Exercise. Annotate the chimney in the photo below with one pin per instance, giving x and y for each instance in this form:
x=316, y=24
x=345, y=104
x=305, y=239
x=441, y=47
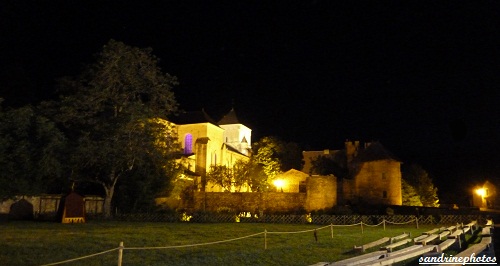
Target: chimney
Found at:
x=351, y=149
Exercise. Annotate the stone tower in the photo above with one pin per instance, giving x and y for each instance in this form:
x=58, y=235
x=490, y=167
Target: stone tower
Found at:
x=236, y=135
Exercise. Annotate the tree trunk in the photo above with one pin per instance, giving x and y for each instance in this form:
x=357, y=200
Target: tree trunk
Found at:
x=110, y=190
x=107, y=200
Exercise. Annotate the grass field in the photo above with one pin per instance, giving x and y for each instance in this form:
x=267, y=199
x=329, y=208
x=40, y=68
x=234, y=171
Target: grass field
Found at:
x=31, y=243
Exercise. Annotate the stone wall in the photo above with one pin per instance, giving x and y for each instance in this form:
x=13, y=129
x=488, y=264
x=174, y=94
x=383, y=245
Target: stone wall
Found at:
x=248, y=202
x=41, y=204
x=48, y=205
x=321, y=192
x=379, y=182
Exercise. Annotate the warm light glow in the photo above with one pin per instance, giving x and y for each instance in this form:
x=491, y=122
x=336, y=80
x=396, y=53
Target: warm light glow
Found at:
x=279, y=183
x=481, y=192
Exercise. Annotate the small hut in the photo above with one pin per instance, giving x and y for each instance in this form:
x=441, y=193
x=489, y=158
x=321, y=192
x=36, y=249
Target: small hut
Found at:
x=74, y=209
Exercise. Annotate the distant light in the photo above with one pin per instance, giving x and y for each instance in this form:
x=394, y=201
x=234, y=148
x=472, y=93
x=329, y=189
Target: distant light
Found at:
x=279, y=183
x=481, y=192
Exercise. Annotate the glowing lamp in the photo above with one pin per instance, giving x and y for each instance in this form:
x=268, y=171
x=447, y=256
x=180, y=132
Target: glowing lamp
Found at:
x=279, y=183
x=481, y=192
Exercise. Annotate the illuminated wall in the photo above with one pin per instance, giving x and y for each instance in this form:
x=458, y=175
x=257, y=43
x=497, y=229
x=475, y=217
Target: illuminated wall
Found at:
x=378, y=182
x=290, y=181
x=374, y=173
x=238, y=136
x=249, y=202
x=321, y=192
x=207, y=140
x=204, y=145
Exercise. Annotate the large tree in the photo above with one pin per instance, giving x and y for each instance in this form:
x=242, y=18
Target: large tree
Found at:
x=330, y=165
x=420, y=180
x=276, y=156
x=409, y=194
x=243, y=172
x=266, y=153
x=31, y=152
x=221, y=175
x=113, y=111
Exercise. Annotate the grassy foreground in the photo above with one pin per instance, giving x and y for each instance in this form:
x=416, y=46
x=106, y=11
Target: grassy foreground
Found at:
x=31, y=243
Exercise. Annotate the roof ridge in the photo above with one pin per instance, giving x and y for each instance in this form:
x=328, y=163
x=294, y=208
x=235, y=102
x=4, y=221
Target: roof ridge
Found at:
x=229, y=118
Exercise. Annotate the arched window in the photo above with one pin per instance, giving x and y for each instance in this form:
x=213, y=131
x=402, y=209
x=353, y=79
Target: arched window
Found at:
x=188, y=144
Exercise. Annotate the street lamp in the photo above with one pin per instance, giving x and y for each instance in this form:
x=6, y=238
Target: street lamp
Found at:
x=481, y=192
x=279, y=184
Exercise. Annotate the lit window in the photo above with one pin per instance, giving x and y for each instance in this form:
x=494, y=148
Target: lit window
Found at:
x=188, y=144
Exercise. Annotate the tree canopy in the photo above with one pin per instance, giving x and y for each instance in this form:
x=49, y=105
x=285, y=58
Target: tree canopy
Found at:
x=416, y=177
x=31, y=153
x=410, y=196
x=276, y=156
x=331, y=165
x=113, y=113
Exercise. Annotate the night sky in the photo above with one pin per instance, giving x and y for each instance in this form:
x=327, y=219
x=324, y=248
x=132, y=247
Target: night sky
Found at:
x=421, y=77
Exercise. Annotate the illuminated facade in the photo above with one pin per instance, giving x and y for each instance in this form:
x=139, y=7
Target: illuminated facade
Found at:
x=207, y=143
x=374, y=174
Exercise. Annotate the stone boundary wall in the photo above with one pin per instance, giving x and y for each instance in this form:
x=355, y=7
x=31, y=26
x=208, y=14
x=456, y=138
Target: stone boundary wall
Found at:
x=48, y=205
x=321, y=192
x=255, y=203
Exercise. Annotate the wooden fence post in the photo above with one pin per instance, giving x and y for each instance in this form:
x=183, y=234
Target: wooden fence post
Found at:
x=362, y=227
x=384, y=223
x=416, y=221
x=265, y=238
x=331, y=229
x=120, y=254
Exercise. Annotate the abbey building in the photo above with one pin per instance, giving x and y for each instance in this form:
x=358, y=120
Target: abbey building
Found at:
x=206, y=142
x=366, y=173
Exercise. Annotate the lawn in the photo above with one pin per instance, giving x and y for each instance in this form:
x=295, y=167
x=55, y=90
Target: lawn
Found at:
x=35, y=243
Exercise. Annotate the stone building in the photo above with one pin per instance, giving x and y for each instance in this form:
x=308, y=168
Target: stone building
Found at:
x=373, y=174
x=207, y=143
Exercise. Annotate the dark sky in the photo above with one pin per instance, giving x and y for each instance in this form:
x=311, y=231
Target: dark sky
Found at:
x=421, y=77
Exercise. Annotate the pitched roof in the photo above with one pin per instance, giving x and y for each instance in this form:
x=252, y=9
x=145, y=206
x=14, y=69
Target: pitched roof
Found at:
x=374, y=152
x=194, y=117
x=229, y=147
x=229, y=118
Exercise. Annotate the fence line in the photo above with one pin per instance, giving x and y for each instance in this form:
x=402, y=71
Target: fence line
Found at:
x=81, y=258
x=121, y=248
x=347, y=224
x=294, y=219
x=298, y=232
x=194, y=245
x=401, y=223
x=374, y=225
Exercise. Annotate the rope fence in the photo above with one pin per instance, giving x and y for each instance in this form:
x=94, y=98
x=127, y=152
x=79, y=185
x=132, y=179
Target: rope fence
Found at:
x=84, y=257
x=121, y=247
